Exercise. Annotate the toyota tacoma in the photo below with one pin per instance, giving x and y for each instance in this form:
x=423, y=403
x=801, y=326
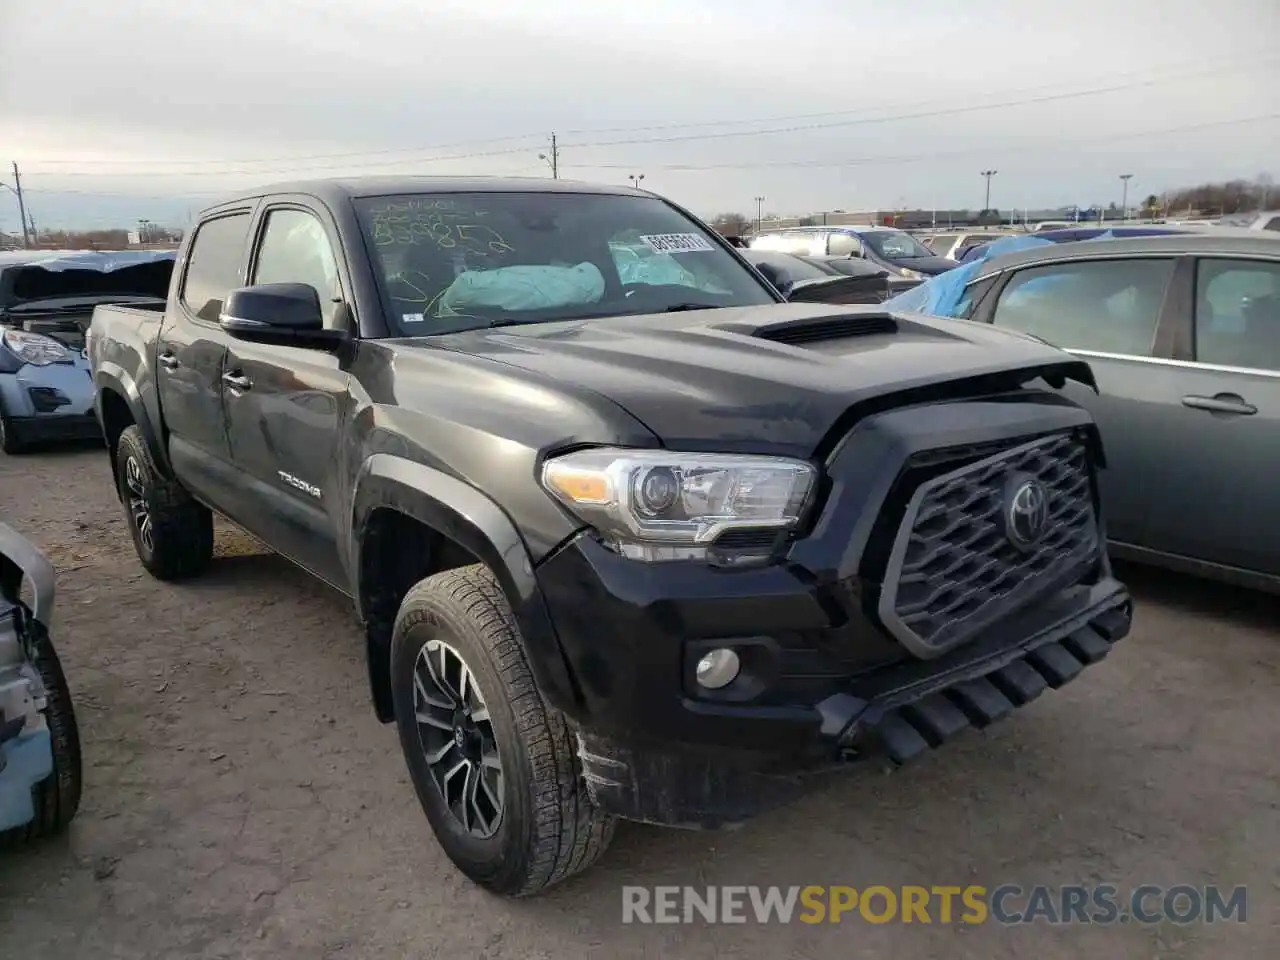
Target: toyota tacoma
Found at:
x=630, y=536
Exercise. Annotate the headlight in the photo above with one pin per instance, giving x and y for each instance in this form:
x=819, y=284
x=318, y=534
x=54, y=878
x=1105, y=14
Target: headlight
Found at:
x=35, y=348
x=910, y=274
x=658, y=505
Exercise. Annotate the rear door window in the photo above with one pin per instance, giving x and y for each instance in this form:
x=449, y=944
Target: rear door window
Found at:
x=1237, y=313
x=1105, y=306
x=214, y=263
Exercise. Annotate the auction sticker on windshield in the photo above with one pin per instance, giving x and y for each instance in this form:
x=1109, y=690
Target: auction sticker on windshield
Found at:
x=676, y=242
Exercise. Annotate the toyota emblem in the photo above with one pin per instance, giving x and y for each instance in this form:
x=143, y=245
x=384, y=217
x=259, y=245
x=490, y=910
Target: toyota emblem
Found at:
x=1026, y=513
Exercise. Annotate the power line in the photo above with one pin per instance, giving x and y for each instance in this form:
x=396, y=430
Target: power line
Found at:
x=856, y=121
x=987, y=150
x=456, y=145
x=1195, y=74
x=975, y=108
x=779, y=164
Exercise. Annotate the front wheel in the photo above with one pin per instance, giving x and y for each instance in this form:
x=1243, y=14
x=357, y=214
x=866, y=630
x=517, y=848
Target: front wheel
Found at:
x=9, y=441
x=493, y=765
x=172, y=533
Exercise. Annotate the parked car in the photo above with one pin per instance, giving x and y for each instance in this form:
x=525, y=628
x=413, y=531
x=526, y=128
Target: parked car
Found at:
x=1183, y=334
x=1256, y=220
x=1072, y=234
x=954, y=246
x=888, y=247
x=820, y=280
x=40, y=768
x=46, y=301
x=653, y=550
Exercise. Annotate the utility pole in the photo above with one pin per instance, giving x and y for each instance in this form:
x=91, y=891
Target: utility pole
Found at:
x=635, y=179
x=759, y=214
x=1124, y=196
x=988, y=174
x=22, y=207
x=552, y=158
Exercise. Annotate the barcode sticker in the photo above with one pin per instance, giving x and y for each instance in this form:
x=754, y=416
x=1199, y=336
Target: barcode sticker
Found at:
x=677, y=242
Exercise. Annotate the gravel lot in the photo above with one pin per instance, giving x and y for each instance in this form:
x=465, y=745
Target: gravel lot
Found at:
x=242, y=801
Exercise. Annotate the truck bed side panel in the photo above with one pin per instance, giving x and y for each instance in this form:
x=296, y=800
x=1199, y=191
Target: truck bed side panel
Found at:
x=122, y=350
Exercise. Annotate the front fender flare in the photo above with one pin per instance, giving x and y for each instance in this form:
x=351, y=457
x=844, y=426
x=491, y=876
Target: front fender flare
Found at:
x=468, y=517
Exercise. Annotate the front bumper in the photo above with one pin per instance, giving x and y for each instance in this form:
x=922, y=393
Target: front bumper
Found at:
x=55, y=429
x=653, y=749
x=823, y=680
x=50, y=403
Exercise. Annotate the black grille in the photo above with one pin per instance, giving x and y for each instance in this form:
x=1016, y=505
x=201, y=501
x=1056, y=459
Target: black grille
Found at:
x=954, y=569
x=747, y=539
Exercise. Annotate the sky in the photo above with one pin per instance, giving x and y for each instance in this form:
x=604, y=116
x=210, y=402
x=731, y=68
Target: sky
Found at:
x=153, y=109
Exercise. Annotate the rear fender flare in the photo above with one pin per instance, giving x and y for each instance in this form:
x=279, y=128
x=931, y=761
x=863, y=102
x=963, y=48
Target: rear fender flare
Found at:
x=463, y=514
x=111, y=376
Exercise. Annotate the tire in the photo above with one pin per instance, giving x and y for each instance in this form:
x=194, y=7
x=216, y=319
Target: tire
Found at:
x=57, y=797
x=548, y=828
x=172, y=532
x=9, y=443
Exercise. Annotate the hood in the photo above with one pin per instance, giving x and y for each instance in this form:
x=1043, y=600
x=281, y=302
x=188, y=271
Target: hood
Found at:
x=771, y=378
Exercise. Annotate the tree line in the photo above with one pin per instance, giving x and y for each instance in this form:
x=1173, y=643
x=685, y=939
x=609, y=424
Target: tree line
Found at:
x=1204, y=200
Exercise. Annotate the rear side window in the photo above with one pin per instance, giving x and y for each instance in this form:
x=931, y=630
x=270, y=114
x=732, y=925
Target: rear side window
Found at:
x=1238, y=313
x=843, y=245
x=213, y=264
x=1108, y=306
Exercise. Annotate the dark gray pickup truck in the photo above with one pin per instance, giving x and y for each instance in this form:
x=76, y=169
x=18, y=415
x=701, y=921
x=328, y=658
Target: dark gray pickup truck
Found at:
x=629, y=534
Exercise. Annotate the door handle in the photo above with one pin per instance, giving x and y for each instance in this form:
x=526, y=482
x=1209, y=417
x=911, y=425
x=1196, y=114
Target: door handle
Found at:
x=237, y=381
x=169, y=361
x=1221, y=403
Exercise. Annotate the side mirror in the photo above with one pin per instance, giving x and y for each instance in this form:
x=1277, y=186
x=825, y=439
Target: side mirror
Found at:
x=777, y=276
x=279, y=313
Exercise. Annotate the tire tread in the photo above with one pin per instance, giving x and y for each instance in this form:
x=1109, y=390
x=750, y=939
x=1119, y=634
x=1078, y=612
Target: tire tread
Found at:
x=182, y=528
x=57, y=797
x=570, y=832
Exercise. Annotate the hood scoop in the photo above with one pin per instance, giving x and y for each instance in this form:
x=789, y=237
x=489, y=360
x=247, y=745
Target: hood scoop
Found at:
x=820, y=329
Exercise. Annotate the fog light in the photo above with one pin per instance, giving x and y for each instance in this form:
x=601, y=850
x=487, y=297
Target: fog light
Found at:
x=718, y=668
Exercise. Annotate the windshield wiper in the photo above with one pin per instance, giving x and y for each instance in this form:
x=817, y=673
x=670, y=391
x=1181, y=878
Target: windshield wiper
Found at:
x=681, y=307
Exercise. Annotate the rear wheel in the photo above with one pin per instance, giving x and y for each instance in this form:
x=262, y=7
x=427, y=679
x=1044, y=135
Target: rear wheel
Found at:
x=494, y=766
x=172, y=532
x=57, y=797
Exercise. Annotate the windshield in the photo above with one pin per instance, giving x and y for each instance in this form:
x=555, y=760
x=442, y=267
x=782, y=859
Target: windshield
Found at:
x=461, y=260
x=895, y=245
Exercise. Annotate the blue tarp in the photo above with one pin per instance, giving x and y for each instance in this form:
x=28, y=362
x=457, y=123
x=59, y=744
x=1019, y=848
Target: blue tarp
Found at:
x=941, y=295
x=106, y=261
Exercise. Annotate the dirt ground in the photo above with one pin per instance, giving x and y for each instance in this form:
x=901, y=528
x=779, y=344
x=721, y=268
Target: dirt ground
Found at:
x=242, y=801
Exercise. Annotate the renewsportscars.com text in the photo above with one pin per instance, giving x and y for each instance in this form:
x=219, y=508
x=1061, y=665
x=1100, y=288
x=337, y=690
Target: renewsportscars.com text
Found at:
x=1007, y=904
